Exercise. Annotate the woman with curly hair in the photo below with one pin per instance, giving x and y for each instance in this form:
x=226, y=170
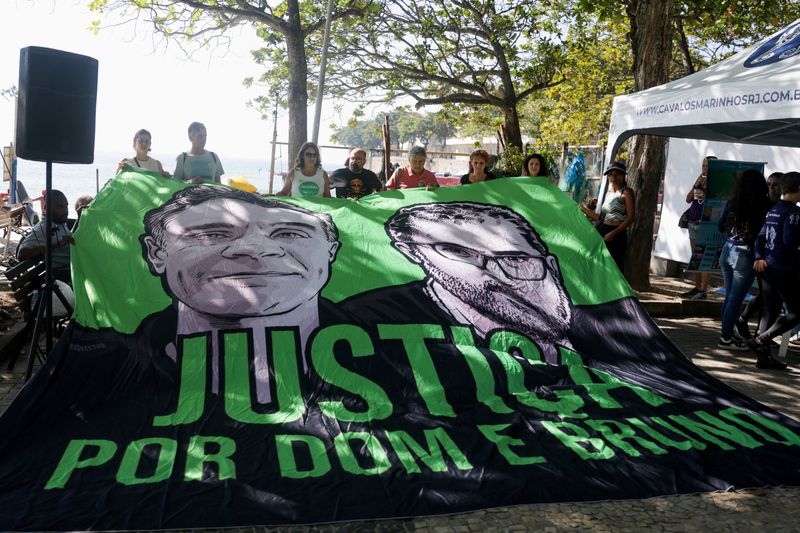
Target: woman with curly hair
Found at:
x=535, y=165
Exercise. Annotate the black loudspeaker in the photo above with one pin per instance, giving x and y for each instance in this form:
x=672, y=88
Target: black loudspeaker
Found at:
x=56, y=106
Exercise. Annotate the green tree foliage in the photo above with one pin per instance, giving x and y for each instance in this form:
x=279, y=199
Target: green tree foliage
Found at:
x=363, y=133
x=510, y=162
x=707, y=31
x=476, y=121
x=599, y=58
x=597, y=69
x=405, y=127
x=475, y=52
x=421, y=128
x=285, y=26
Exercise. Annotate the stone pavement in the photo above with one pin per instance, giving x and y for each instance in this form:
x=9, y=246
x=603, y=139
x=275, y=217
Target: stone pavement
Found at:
x=774, y=509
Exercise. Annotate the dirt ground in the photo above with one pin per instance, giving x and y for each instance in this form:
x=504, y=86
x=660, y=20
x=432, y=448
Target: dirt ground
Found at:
x=9, y=313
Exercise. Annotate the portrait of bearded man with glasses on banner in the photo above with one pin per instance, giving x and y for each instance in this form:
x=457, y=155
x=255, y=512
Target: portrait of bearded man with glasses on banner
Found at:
x=485, y=267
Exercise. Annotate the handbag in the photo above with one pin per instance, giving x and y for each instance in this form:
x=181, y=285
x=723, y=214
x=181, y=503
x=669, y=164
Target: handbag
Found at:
x=683, y=222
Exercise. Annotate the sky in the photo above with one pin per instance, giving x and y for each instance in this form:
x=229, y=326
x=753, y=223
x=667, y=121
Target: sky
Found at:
x=144, y=84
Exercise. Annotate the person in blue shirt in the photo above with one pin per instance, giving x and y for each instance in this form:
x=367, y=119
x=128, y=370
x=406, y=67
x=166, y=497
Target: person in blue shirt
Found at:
x=777, y=262
x=756, y=305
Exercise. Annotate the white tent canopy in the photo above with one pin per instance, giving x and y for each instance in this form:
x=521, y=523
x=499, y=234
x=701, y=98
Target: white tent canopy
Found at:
x=752, y=97
x=684, y=159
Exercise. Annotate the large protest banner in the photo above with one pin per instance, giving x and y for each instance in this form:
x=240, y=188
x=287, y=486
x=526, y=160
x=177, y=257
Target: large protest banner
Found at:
x=237, y=360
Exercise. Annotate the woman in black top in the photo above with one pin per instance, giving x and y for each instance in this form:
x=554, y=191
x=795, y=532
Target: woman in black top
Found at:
x=741, y=221
x=478, y=160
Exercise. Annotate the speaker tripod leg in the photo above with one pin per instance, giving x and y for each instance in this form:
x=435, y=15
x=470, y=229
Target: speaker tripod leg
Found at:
x=34, y=349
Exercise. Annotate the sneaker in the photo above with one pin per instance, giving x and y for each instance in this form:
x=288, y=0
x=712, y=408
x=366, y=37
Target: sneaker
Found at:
x=734, y=343
x=770, y=363
x=742, y=328
x=701, y=295
x=795, y=339
x=690, y=293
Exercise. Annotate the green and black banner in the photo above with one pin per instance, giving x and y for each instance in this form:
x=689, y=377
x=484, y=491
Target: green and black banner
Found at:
x=241, y=360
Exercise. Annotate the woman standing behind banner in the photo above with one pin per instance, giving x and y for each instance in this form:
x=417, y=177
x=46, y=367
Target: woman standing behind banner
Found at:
x=307, y=177
x=616, y=214
x=534, y=165
x=741, y=221
x=478, y=160
x=141, y=143
x=696, y=197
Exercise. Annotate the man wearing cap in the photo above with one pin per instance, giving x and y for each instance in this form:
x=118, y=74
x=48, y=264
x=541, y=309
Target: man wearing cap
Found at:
x=616, y=214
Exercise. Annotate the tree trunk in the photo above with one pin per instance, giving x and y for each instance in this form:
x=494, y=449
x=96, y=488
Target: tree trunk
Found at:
x=648, y=157
x=511, y=131
x=683, y=45
x=651, y=40
x=297, y=97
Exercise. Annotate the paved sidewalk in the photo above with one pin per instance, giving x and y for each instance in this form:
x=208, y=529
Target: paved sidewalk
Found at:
x=774, y=509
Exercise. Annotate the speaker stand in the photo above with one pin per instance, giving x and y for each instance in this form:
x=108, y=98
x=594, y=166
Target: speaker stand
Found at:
x=44, y=306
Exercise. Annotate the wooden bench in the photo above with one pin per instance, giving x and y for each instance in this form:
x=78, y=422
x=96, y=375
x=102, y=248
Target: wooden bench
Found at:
x=27, y=278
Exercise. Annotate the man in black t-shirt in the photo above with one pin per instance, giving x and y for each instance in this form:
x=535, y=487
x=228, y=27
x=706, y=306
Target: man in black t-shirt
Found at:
x=355, y=181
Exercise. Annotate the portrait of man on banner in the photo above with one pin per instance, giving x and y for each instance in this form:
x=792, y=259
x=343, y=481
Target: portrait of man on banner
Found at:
x=485, y=267
x=230, y=259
